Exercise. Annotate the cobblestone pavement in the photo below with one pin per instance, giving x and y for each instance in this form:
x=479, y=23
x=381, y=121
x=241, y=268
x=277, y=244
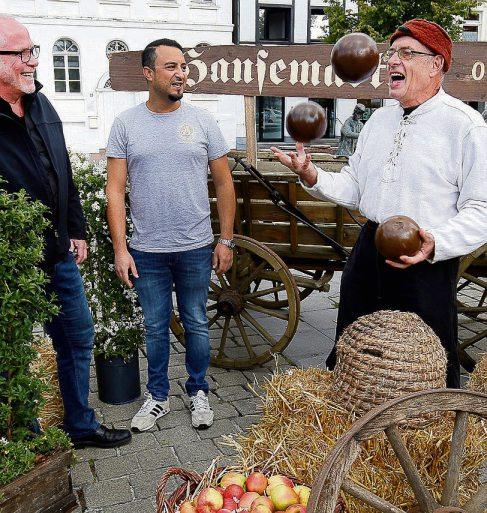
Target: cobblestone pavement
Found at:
x=124, y=480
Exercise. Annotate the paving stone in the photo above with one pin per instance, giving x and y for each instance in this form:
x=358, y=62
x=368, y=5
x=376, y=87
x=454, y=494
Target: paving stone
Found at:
x=140, y=442
x=249, y=406
x=124, y=412
x=227, y=450
x=205, y=450
x=142, y=506
x=233, y=393
x=81, y=474
x=177, y=436
x=144, y=484
x=94, y=453
x=108, y=493
x=244, y=422
x=219, y=428
x=177, y=371
x=119, y=466
x=157, y=457
x=176, y=402
x=175, y=419
x=231, y=378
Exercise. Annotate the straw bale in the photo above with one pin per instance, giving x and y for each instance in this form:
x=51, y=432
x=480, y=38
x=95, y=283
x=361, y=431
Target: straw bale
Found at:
x=52, y=412
x=383, y=355
x=478, y=378
x=300, y=424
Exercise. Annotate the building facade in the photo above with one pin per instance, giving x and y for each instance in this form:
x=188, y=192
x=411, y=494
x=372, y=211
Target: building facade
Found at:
x=77, y=36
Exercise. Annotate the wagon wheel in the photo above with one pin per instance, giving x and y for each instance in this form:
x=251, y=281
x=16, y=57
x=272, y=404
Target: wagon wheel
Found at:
x=278, y=299
x=472, y=308
x=385, y=418
x=242, y=333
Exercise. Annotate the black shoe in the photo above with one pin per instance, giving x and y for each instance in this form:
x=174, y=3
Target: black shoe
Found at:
x=103, y=437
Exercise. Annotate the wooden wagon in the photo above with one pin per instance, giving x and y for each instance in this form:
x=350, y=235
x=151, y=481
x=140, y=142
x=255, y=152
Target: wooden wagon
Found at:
x=254, y=309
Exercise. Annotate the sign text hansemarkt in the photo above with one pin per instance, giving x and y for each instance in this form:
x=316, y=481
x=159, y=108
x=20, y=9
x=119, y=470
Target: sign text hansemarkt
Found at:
x=295, y=70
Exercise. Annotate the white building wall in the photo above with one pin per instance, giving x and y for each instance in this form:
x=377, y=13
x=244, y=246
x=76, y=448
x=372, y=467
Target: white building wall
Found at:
x=92, y=24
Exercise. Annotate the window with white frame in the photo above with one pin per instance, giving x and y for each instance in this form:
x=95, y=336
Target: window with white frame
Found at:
x=116, y=46
x=318, y=25
x=65, y=57
x=471, y=28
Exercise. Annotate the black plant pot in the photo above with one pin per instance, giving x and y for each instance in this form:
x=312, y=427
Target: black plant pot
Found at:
x=118, y=379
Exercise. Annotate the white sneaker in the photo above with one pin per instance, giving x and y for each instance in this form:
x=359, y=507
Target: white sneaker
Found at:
x=149, y=412
x=201, y=412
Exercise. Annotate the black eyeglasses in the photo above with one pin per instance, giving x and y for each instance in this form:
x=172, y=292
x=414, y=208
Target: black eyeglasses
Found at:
x=405, y=54
x=25, y=55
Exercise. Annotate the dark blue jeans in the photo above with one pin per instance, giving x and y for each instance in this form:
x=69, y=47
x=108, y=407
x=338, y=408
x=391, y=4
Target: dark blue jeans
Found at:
x=72, y=336
x=190, y=273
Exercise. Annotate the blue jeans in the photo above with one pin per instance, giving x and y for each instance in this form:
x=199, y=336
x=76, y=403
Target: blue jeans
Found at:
x=190, y=273
x=72, y=336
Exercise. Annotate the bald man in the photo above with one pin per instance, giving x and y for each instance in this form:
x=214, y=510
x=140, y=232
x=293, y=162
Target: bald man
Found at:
x=33, y=157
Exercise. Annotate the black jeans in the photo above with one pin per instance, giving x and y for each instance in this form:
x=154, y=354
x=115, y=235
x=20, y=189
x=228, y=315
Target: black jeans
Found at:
x=369, y=284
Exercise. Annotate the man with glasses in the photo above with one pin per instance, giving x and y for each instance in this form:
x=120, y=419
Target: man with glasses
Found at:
x=164, y=147
x=33, y=157
x=424, y=157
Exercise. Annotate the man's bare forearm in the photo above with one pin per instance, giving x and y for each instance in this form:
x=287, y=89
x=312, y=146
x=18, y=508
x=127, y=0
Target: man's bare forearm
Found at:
x=116, y=219
x=225, y=202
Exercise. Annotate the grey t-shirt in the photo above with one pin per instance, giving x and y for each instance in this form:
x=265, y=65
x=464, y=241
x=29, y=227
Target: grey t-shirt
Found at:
x=167, y=159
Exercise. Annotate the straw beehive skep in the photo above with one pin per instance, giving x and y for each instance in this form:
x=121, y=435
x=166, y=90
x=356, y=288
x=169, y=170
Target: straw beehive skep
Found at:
x=301, y=423
x=383, y=355
x=478, y=378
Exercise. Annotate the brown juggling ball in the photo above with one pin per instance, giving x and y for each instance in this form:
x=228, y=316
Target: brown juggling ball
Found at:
x=398, y=236
x=306, y=121
x=355, y=57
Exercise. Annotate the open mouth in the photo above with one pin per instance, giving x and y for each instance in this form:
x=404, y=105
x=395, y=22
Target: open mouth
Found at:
x=177, y=85
x=396, y=79
x=28, y=74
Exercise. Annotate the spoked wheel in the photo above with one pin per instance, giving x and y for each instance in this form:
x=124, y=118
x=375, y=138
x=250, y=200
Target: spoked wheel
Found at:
x=334, y=475
x=243, y=333
x=278, y=299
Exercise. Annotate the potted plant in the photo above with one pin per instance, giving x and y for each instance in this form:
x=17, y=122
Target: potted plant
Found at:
x=34, y=468
x=116, y=313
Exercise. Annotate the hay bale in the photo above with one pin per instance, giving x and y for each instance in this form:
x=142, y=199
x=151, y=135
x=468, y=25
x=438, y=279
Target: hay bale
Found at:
x=478, y=378
x=301, y=423
x=384, y=355
x=52, y=413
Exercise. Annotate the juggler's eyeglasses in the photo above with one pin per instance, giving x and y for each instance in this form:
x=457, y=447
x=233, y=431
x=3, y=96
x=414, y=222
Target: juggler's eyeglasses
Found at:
x=25, y=55
x=405, y=54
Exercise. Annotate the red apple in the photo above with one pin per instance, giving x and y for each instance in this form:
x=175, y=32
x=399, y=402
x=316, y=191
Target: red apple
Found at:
x=209, y=501
x=303, y=494
x=187, y=507
x=233, y=491
x=283, y=496
x=247, y=499
x=261, y=509
x=278, y=480
x=233, y=478
x=262, y=501
x=224, y=511
x=296, y=508
x=256, y=482
x=219, y=489
x=229, y=503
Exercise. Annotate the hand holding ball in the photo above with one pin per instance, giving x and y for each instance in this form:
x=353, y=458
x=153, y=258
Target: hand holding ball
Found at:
x=306, y=121
x=355, y=57
x=398, y=236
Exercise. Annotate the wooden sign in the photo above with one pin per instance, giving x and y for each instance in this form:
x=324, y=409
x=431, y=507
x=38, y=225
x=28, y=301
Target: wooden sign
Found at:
x=295, y=70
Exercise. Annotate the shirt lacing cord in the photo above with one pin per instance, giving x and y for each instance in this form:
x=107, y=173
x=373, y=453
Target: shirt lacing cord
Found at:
x=391, y=170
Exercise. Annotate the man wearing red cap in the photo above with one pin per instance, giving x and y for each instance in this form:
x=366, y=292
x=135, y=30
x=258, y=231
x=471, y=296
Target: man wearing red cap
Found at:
x=424, y=157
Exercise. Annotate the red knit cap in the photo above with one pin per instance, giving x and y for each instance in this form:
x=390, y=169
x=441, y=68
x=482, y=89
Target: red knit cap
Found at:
x=430, y=34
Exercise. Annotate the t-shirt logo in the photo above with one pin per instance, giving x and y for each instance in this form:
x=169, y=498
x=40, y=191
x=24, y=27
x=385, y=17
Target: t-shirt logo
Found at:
x=186, y=132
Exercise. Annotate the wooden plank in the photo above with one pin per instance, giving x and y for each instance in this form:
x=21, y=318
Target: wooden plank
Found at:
x=250, y=135
x=294, y=70
x=293, y=223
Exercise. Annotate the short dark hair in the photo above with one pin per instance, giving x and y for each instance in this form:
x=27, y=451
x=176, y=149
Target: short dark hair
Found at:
x=149, y=52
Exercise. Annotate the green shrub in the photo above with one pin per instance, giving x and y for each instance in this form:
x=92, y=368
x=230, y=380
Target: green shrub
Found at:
x=116, y=313
x=23, y=302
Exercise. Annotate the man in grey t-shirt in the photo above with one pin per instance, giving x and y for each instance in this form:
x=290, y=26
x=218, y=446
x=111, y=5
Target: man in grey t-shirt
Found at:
x=164, y=148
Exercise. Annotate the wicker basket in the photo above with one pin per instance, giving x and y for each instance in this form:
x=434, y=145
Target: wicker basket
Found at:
x=384, y=355
x=169, y=503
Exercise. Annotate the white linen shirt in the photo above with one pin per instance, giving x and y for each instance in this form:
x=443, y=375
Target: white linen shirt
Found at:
x=430, y=166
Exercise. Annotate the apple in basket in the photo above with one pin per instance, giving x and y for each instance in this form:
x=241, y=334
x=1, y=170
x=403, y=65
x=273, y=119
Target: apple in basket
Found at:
x=187, y=507
x=261, y=509
x=256, y=482
x=296, y=508
x=303, y=494
x=234, y=491
x=233, y=478
x=230, y=504
x=278, y=480
x=247, y=499
x=283, y=496
x=209, y=501
x=262, y=501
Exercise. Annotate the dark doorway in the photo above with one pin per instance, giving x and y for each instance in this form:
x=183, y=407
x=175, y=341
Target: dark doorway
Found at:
x=270, y=118
x=329, y=104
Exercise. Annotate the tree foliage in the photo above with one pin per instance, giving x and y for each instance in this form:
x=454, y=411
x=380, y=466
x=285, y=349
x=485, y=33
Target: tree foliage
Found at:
x=380, y=18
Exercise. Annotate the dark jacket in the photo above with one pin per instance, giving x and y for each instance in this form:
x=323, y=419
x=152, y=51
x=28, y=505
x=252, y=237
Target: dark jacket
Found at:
x=21, y=167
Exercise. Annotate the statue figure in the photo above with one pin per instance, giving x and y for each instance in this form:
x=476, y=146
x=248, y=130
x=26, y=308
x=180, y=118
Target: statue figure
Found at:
x=484, y=115
x=350, y=132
